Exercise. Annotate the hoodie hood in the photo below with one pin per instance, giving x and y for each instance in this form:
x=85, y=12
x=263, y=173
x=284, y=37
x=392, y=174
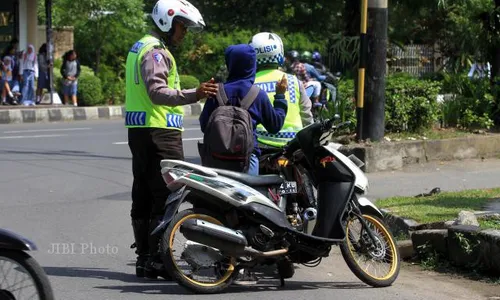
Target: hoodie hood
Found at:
x=241, y=62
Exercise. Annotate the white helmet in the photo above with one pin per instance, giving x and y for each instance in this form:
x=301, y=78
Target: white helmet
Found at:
x=269, y=48
x=165, y=11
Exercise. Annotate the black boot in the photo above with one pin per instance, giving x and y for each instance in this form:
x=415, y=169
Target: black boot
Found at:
x=154, y=267
x=141, y=233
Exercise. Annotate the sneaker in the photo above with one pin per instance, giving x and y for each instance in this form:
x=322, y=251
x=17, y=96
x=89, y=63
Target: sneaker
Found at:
x=245, y=277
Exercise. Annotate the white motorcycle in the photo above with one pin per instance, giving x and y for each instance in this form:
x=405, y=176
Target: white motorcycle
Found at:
x=240, y=221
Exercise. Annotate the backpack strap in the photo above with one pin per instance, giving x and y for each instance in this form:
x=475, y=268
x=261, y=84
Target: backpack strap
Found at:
x=250, y=97
x=221, y=95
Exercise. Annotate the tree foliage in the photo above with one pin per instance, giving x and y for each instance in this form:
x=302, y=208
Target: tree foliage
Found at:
x=103, y=29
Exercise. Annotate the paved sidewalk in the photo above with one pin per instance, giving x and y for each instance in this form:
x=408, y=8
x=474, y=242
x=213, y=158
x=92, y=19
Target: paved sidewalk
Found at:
x=58, y=113
x=449, y=176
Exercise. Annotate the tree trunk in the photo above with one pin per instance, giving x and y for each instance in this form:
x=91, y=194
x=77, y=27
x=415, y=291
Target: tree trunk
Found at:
x=97, y=60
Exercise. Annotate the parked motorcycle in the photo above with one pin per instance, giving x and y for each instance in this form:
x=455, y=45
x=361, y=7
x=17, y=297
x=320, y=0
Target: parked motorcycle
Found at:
x=233, y=225
x=21, y=277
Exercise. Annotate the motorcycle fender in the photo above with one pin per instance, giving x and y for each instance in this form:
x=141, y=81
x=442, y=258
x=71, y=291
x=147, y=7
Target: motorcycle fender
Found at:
x=367, y=206
x=13, y=241
x=172, y=205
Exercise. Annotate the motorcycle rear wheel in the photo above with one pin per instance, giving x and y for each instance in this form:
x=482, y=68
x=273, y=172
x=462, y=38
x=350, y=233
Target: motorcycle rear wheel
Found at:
x=386, y=249
x=175, y=271
x=34, y=271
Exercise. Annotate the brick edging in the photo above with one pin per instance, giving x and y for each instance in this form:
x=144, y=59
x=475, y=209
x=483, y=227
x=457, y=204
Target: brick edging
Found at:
x=482, y=254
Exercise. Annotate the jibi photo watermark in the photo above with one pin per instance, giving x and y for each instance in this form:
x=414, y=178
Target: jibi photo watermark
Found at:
x=81, y=249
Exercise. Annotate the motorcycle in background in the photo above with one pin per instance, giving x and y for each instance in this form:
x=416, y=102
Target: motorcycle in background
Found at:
x=21, y=277
x=329, y=91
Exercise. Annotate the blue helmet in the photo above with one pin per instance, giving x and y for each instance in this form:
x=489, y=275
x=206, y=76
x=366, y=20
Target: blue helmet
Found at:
x=316, y=56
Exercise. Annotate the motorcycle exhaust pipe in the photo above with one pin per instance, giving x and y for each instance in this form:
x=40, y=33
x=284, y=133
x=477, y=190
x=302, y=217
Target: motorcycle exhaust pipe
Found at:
x=309, y=216
x=222, y=238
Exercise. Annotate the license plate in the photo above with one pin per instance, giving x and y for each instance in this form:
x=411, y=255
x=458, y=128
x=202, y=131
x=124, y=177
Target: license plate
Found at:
x=288, y=187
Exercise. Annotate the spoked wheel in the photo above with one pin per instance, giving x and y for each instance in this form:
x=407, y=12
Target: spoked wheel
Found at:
x=21, y=277
x=376, y=264
x=198, y=267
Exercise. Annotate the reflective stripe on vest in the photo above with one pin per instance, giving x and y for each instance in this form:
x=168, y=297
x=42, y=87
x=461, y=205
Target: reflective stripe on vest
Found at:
x=139, y=110
x=267, y=80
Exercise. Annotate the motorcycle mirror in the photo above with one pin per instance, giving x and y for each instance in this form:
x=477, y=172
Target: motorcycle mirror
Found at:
x=336, y=117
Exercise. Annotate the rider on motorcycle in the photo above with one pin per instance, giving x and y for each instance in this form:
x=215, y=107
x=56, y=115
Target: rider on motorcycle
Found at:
x=306, y=58
x=316, y=62
x=299, y=69
x=270, y=56
x=318, y=71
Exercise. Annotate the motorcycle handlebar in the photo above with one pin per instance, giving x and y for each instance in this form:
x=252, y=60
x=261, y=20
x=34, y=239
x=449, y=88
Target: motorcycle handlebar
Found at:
x=294, y=145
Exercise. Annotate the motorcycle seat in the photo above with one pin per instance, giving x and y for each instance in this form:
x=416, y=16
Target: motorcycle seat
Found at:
x=251, y=180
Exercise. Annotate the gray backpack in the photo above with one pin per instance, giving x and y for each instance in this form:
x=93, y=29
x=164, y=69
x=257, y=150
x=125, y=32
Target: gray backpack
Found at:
x=228, y=141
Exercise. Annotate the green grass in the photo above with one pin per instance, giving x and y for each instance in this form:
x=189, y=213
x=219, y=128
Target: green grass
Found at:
x=442, y=207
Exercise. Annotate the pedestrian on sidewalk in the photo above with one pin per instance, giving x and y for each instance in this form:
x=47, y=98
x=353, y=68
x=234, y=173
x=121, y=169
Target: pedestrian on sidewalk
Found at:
x=43, y=74
x=70, y=71
x=9, y=84
x=29, y=67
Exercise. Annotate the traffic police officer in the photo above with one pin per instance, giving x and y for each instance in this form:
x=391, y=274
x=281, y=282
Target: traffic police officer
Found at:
x=154, y=118
x=270, y=56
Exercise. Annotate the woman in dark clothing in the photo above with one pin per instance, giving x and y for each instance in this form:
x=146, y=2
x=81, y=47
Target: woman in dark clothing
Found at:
x=43, y=73
x=70, y=70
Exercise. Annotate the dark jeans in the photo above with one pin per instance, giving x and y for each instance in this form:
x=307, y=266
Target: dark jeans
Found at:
x=149, y=146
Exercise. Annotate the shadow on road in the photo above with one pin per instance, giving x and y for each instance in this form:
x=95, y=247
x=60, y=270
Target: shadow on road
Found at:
x=265, y=285
x=99, y=273
x=147, y=286
x=65, y=153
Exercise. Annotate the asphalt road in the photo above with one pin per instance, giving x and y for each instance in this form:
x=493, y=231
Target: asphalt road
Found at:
x=67, y=186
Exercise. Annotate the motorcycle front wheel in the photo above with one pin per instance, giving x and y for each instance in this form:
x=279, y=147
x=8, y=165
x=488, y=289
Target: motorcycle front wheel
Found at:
x=33, y=281
x=358, y=249
x=196, y=257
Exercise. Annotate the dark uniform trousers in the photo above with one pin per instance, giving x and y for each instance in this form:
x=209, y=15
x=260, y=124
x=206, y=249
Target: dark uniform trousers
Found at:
x=149, y=191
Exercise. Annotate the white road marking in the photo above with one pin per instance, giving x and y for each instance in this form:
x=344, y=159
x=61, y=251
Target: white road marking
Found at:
x=45, y=130
x=31, y=136
x=185, y=140
x=192, y=139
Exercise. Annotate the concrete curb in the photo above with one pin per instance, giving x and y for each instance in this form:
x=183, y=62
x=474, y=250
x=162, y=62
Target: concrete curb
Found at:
x=41, y=114
x=386, y=156
x=465, y=246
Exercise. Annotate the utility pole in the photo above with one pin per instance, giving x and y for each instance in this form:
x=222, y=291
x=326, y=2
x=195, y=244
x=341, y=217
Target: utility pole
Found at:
x=54, y=96
x=363, y=53
x=374, y=104
x=50, y=52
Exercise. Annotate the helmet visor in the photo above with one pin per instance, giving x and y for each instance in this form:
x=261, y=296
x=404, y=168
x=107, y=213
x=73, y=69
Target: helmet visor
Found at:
x=192, y=26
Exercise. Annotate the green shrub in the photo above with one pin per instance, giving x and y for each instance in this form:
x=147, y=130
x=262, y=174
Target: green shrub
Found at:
x=411, y=104
x=473, y=104
x=345, y=104
x=189, y=82
x=89, y=88
x=113, y=86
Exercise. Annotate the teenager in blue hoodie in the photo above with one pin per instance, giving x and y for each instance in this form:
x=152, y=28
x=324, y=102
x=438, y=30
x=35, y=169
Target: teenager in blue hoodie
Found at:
x=241, y=63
